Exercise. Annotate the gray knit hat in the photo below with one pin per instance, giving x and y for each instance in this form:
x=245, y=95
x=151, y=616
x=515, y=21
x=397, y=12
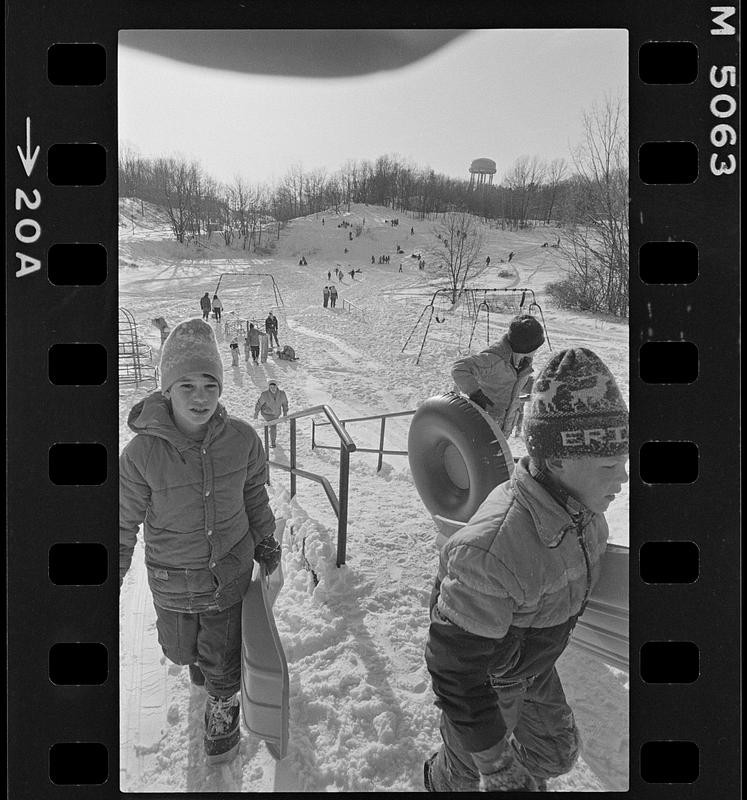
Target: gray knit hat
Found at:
x=525, y=334
x=576, y=409
x=190, y=347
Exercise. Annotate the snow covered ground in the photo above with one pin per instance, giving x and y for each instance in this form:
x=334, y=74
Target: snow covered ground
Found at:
x=361, y=711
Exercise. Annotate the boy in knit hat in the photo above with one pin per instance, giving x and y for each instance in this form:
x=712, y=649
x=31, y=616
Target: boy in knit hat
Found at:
x=195, y=477
x=512, y=583
x=496, y=378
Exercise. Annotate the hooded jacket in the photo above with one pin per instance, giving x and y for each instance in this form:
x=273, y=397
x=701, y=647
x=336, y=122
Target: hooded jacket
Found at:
x=509, y=589
x=271, y=324
x=492, y=371
x=271, y=406
x=203, y=504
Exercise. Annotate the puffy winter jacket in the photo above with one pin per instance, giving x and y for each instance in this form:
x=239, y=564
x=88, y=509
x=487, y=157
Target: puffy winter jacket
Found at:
x=510, y=587
x=204, y=506
x=492, y=371
x=252, y=337
x=271, y=406
x=205, y=303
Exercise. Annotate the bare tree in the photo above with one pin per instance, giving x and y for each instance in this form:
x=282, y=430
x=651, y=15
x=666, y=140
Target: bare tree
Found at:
x=314, y=190
x=175, y=182
x=596, y=245
x=458, y=251
x=524, y=180
x=555, y=173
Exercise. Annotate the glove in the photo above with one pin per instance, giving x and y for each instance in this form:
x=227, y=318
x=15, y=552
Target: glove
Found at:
x=479, y=397
x=501, y=772
x=267, y=554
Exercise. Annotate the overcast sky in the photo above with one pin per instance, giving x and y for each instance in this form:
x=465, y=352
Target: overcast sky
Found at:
x=496, y=94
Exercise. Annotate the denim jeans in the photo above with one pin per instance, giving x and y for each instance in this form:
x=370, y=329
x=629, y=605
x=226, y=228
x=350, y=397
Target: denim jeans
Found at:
x=211, y=639
x=542, y=733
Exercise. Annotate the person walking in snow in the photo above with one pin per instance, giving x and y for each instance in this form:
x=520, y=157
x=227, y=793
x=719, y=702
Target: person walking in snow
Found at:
x=251, y=344
x=325, y=296
x=194, y=478
x=271, y=328
x=234, y=348
x=496, y=378
x=272, y=403
x=333, y=295
x=510, y=256
x=217, y=307
x=329, y=275
x=206, y=306
x=512, y=583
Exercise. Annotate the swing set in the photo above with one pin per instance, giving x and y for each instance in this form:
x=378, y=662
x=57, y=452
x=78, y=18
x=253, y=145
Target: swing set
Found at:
x=235, y=324
x=474, y=301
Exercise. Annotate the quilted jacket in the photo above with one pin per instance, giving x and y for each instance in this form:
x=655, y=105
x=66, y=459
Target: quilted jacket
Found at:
x=509, y=589
x=203, y=504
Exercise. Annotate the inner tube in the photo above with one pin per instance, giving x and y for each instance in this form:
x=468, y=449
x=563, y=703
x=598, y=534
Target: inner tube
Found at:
x=457, y=455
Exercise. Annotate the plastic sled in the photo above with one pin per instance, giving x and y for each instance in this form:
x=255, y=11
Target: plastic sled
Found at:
x=603, y=630
x=264, y=669
x=263, y=339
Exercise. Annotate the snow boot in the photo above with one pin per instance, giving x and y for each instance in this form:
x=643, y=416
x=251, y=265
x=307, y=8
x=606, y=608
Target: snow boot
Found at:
x=427, y=773
x=222, y=732
x=196, y=676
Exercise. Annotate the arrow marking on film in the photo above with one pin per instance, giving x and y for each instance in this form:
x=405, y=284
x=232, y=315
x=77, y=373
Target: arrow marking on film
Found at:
x=28, y=159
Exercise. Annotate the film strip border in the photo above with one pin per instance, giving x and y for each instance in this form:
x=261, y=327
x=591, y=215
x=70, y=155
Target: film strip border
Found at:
x=62, y=398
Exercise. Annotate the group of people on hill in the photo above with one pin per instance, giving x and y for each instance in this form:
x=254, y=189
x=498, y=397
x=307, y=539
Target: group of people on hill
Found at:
x=329, y=296
x=382, y=259
x=510, y=586
x=257, y=342
x=207, y=305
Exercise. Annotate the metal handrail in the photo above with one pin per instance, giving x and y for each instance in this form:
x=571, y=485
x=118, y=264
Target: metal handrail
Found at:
x=347, y=446
x=352, y=307
x=380, y=449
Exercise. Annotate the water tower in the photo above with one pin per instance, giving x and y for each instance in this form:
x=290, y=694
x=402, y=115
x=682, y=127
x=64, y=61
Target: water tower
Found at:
x=484, y=169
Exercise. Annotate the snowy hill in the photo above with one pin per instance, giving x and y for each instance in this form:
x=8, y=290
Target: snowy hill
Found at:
x=362, y=714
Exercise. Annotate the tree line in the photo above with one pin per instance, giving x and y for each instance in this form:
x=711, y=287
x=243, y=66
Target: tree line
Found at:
x=586, y=195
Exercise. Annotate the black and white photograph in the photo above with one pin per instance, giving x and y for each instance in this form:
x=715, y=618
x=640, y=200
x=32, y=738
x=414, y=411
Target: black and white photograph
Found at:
x=373, y=355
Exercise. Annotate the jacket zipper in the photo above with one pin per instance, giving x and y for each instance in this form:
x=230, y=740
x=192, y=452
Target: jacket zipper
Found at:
x=580, y=537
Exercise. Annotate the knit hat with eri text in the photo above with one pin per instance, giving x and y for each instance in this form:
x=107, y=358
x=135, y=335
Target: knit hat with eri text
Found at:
x=525, y=334
x=190, y=347
x=575, y=409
